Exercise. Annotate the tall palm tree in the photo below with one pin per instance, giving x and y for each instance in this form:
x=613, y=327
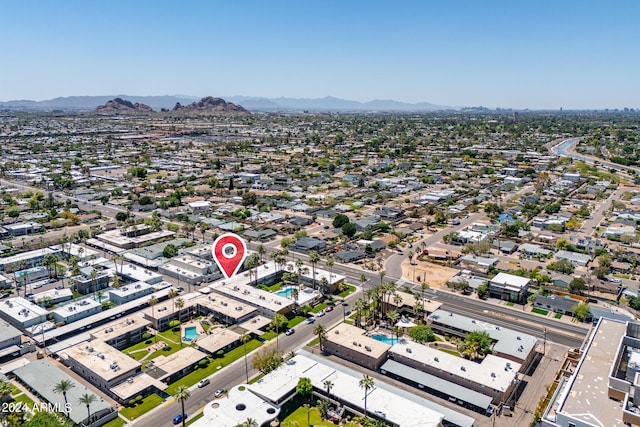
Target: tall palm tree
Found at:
x=182, y=394
x=359, y=306
x=62, y=388
x=152, y=302
x=244, y=339
x=330, y=263
x=328, y=384
x=363, y=280
x=203, y=229
x=171, y=295
x=261, y=251
x=321, y=331
x=94, y=278
x=88, y=399
x=314, y=258
x=277, y=322
x=393, y=317
x=367, y=384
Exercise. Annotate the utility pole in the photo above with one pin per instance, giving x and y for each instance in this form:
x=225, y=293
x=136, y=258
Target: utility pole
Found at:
x=544, y=334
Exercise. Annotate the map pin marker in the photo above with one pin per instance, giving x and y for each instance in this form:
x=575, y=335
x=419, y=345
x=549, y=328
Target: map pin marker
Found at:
x=229, y=252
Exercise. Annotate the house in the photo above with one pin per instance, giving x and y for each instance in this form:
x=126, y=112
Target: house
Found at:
x=307, y=244
x=556, y=304
x=505, y=246
x=260, y=235
x=574, y=258
x=349, y=256
x=365, y=224
x=509, y=287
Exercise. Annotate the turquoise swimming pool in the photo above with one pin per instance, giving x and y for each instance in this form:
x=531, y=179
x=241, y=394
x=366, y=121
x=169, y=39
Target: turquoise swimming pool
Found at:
x=190, y=333
x=286, y=292
x=385, y=339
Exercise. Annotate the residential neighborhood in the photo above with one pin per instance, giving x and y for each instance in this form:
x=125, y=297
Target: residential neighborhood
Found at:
x=477, y=269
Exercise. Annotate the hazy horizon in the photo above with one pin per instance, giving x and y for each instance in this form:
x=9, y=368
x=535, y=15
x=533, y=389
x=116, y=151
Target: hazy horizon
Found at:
x=543, y=55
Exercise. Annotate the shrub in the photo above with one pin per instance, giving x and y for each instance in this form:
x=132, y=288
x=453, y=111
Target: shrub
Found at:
x=132, y=402
x=146, y=336
x=203, y=363
x=139, y=398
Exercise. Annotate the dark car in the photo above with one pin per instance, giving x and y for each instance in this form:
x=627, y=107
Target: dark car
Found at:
x=5, y=295
x=178, y=418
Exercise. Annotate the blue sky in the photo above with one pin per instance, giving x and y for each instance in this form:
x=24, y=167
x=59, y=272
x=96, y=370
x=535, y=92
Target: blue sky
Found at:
x=520, y=54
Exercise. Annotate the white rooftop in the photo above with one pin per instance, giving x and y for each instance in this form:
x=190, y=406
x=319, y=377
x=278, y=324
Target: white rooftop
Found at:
x=22, y=310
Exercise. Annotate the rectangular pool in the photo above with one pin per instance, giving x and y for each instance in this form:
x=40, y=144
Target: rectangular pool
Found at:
x=190, y=333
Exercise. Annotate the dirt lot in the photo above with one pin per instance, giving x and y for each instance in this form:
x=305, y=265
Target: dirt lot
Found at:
x=436, y=275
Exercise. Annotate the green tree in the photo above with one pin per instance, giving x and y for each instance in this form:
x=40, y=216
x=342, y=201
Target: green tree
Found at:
x=349, y=230
x=483, y=290
x=367, y=384
x=476, y=344
x=63, y=387
x=422, y=334
x=321, y=331
x=340, y=220
x=577, y=285
x=249, y=198
x=87, y=399
x=170, y=251
x=266, y=360
x=304, y=387
x=277, y=322
x=182, y=394
x=562, y=266
x=244, y=339
x=582, y=311
x=314, y=259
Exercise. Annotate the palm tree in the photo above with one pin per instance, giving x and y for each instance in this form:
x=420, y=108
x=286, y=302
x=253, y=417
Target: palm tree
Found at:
x=314, y=258
x=393, y=317
x=249, y=422
x=363, y=280
x=203, y=229
x=366, y=383
x=244, y=339
x=321, y=331
x=278, y=321
x=359, y=306
x=382, y=273
x=171, y=295
x=182, y=394
x=88, y=399
x=261, y=251
x=94, y=278
x=330, y=263
x=328, y=385
x=6, y=389
x=152, y=302
x=62, y=388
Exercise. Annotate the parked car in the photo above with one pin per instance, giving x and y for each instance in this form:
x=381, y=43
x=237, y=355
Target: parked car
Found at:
x=178, y=418
x=329, y=308
x=320, y=313
x=219, y=392
x=5, y=295
x=203, y=382
x=290, y=332
x=310, y=320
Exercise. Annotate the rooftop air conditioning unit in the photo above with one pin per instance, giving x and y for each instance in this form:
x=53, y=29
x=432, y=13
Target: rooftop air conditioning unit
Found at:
x=462, y=368
x=493, y=374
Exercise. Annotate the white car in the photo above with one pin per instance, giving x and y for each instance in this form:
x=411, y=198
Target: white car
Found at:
x=320, y=313
x=203, y=383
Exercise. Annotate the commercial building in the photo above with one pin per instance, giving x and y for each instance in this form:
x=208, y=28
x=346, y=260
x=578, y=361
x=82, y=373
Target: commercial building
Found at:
x=350, y=343
x=493, y=376
x=508, y=287
x=22, y=313
x=76, y=310
x=40, y=376
x=603, y=389
x=513, y=345
x=129, y=292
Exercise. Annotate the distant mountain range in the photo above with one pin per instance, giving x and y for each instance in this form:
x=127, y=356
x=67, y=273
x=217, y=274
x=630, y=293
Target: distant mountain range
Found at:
x=327, y=104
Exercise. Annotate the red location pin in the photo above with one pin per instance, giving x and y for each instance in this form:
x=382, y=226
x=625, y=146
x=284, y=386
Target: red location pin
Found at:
x=229, y=252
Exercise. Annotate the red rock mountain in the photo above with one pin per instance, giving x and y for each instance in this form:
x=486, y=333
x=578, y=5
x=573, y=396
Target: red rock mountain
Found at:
x=210, y=104
x=122, y=105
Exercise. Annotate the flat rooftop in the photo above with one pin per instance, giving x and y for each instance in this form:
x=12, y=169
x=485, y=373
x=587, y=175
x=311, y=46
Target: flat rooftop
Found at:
x=54, y=294
x=25, y=256
x=386, y=401
x=130, y=289
x=354, y=339
x=80, y=306
x=164, y=366
x=22, y=310
x=119, y=327
x=103, y=360
x=507, y=341
x=217, y=339
x=226, y=306
x=136, y=384
x=226, y=413
x=493, y=372
x=585, y=396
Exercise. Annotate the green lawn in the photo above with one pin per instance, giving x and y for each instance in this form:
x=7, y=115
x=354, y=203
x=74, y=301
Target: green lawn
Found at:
x=313, y=342
x=539, y=311
x=147, y=404
x=256, y=378
x=558, y=316
x=274, y=288
x=269, y=335
x=299, y=416
x=350, y=289
x=194, y=419
x=118, y=422
x=452, y=352
x=200, y=373
x=25, y=399
x=172, y=339
x=296, y=321
x=319, y=307
x=511, y=304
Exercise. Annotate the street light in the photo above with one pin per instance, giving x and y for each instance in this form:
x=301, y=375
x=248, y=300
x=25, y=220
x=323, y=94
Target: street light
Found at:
x=344, y=312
